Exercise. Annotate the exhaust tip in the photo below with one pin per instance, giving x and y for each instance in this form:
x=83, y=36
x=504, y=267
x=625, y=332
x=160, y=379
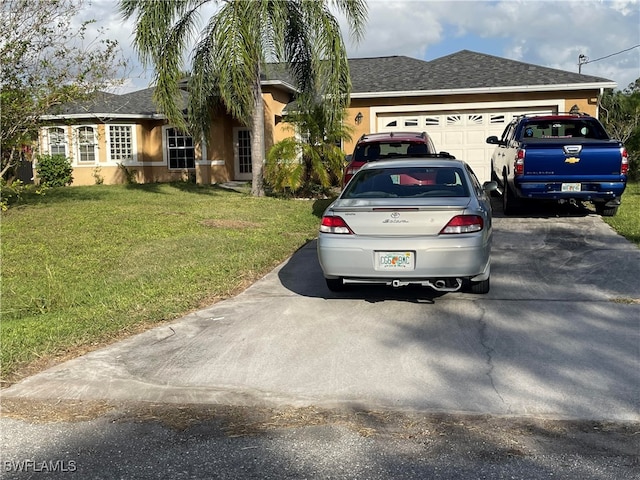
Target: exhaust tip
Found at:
x=446, y=285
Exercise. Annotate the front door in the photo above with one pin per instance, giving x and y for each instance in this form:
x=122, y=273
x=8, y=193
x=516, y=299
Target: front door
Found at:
x=242, y=153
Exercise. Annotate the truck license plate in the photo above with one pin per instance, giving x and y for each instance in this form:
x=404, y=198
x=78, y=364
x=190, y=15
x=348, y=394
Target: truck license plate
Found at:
x=571, y=187
x=395, y=260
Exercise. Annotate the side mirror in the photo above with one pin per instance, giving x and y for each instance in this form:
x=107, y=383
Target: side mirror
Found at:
x=490, y=186
x=493, y=140
x=347, y=158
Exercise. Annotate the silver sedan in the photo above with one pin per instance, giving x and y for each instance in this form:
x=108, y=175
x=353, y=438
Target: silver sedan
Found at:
x=413, y=221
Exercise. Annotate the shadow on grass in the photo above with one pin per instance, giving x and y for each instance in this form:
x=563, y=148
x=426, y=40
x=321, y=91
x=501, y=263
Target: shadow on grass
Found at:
x=208, y=190
x=105, y=192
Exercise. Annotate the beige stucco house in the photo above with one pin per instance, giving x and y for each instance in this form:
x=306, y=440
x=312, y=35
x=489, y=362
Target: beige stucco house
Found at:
x=459, y=99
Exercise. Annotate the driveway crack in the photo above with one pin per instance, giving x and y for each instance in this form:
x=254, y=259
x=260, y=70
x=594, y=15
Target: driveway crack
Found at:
x=488, y=351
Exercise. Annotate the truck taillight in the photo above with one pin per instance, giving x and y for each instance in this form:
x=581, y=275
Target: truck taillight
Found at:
x=624, y=164
x=518, y=165
x=332, y=224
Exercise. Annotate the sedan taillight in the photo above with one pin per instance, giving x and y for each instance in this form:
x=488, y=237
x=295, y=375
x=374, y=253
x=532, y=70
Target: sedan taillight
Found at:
x=463, y=224
x=337, y=225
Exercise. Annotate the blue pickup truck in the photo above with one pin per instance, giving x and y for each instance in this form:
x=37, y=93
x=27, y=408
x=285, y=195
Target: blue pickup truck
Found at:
x=565, y=158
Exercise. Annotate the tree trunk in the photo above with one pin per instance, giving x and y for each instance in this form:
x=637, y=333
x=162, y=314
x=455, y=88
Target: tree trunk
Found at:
x=9, y=165
x=257, y=142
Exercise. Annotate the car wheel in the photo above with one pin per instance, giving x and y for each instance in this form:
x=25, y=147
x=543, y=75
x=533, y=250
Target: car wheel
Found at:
x=508, y=200
x=479, y=288
x=602, y=209
x=335, y=284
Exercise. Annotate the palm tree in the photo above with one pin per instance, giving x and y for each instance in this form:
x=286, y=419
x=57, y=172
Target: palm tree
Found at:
x=313, y=157
x=232, y=51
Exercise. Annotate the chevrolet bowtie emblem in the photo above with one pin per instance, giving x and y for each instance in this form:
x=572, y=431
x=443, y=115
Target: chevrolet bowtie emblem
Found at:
x=572, y=160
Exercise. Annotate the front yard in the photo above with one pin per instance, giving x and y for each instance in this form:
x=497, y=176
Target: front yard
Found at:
x=84, y=266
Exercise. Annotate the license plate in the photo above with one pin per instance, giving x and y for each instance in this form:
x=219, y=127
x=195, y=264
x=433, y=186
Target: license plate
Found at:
x=395, y=260
x=571, y=187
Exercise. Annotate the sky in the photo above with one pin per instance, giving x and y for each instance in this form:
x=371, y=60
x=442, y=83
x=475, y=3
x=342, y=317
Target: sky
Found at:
x=549, y=33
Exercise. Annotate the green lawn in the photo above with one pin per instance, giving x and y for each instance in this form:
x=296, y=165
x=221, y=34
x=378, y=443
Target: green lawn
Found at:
x=82, y=266
x=627, y=221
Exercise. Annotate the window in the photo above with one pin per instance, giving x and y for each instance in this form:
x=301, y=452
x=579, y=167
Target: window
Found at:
x=180, y=149
x=563, y=129
x=86, y=145
x=244, y=151
x=57, y=141
x=120, y=143
x=508, y=132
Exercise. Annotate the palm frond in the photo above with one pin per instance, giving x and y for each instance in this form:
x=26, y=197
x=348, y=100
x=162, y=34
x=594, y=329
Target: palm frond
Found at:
x=163, y=32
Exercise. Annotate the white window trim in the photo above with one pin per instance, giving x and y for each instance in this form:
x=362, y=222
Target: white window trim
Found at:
x=134, y=145
x=44, y=135
x=165, y=151
x=75, y=152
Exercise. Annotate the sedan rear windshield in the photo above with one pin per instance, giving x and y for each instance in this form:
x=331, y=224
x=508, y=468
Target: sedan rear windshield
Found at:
x=367, y=152
x=408, y=183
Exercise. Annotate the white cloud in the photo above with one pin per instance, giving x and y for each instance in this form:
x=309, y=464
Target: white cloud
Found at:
x=396, y=28
x=547, y=33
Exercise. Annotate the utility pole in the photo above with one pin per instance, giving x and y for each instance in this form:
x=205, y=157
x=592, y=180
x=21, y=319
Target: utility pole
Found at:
x=582, y=59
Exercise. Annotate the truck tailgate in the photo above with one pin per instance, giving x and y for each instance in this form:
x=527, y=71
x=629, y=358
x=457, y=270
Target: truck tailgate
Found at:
x=563, y=159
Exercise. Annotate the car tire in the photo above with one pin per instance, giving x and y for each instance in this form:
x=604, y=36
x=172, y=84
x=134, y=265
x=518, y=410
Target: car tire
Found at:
x=602, y=209
x=479, y=288
x=508, y=198
x=335, y=284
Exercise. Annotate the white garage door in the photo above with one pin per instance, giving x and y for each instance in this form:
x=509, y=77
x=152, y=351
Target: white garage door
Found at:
x=462, y=133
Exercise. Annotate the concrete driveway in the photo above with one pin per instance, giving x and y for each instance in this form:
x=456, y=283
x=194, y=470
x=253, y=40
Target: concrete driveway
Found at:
x=558, y=336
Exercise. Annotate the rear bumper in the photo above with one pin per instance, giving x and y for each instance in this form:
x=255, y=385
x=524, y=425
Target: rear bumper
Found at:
x=341, y=256
x=598, y=191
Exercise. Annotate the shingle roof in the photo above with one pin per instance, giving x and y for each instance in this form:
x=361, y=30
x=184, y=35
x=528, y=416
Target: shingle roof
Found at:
x=139, y=103
x=458, y=71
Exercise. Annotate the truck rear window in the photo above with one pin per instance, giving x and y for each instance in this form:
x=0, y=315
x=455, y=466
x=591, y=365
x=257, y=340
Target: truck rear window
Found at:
x=545, y=129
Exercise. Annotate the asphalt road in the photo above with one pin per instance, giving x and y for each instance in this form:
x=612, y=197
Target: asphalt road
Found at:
x=540, y=377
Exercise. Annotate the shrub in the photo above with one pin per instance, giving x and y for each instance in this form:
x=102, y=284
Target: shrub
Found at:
x=97, y=176
x=130, y=175
x=12, y=193
x=54, y=170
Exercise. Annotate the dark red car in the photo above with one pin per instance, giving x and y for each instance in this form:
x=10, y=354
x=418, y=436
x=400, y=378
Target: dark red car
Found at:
x=385, y=146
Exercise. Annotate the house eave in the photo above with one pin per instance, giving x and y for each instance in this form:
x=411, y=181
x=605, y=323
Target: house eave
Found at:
x=279, y=83
x=83, y=116
x=483, y=90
